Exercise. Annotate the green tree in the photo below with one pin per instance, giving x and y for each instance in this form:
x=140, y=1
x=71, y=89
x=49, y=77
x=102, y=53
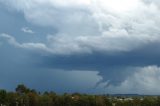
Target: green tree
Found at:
x=32, y=99
x=3, y=96
x=22, y=89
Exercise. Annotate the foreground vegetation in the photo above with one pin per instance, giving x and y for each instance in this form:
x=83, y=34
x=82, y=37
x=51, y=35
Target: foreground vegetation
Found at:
x=24, y=96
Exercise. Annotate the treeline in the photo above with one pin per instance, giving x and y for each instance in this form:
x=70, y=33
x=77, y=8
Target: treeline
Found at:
x=24, y=96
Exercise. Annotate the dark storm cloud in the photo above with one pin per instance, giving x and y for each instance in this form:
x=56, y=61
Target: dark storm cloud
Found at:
x=113, y=46
x=112, y=67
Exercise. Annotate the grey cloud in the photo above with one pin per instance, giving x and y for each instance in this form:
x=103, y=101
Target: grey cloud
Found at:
x=90, y=27
x=96, y=38
x=41, y=47
x=108, y=65
x=30, y=46
x=145, y=80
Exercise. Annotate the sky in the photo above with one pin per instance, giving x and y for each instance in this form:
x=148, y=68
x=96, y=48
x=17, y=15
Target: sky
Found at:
x=86, y=46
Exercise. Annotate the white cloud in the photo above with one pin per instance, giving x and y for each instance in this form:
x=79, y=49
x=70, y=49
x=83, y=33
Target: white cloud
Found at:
x=10, y=39
x=41, y=47
x=85, y=26
x=145, y=80
x=31, y=46
x=27, y=30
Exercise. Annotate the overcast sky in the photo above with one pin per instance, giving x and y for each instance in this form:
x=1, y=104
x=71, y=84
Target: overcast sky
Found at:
x=87, y=46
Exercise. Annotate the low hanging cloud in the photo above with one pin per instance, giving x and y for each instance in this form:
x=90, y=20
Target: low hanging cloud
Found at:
x=91, y=25
x=144, y=80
